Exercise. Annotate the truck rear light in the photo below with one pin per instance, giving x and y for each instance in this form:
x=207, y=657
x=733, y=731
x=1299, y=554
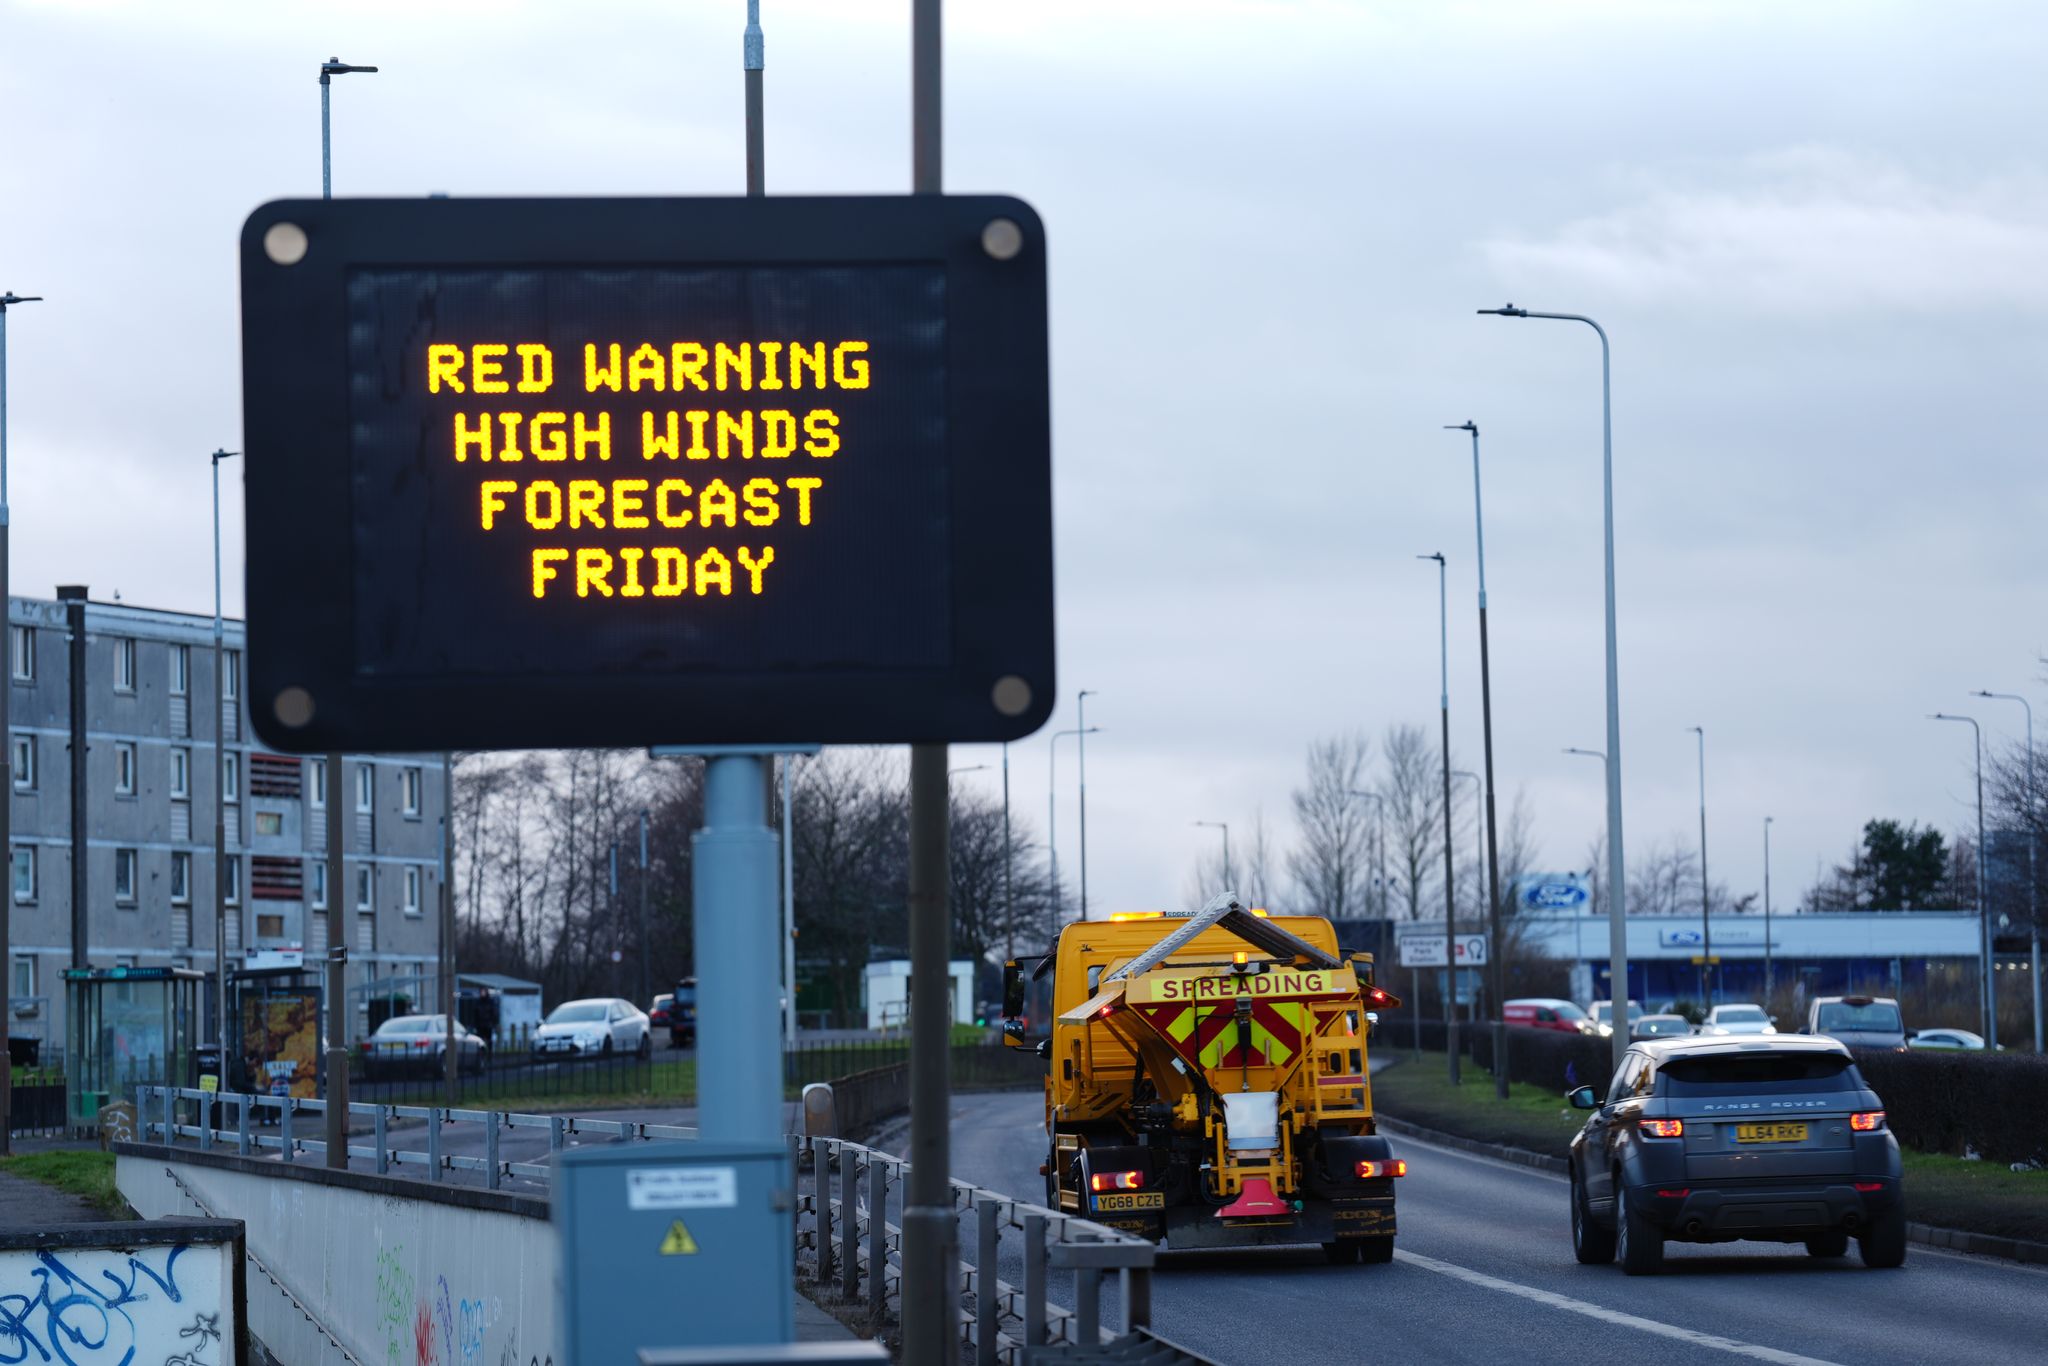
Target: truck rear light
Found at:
x=1372, y=1171
x=1662, y=1128
x=1116, y=1181
x=1867, y=1121
x=1869, y=1186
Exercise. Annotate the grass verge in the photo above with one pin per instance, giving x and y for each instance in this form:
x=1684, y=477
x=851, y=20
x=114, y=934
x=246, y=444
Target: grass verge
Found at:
x=1947, y=1192
x=80, y=1172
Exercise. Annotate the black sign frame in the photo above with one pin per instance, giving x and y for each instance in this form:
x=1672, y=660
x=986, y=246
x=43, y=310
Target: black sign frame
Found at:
x=306, y=694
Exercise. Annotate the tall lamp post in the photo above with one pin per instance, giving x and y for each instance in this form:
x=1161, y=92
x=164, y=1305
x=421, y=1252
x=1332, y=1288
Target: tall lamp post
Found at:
x=1052, y=853
x=1617, y=925
x=2033, y=885
x=1009, y=900
x=220, y=783
x=1767, y=914
x=1989, y=992
x=1081, y=745
x=1479, y=855
x=1497, y=973
x=330, y=68
x=1224, y=826
x=1706, y=908
x=1443, y=612
x=7, y=299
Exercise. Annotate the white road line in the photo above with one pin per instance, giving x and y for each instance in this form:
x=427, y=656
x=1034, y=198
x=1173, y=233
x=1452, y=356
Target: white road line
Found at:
x=1605, y=1315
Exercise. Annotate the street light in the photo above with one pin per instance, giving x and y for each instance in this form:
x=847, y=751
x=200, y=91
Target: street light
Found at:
x=1478, y=835
x=1498, y=971
x=1224, y=826
x=971, y=768
x=1052, y=852
x=332, y=67
x=220, y=785
x=6, y=740
x=1767, y=913
x=1706, y=909
x=1443, y=613
x=2027, y=829
x=1081, y=745
x=1989, y=992
x=1617, y=926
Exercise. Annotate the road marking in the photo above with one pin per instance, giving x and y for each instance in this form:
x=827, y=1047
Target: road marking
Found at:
x=1605, y=1315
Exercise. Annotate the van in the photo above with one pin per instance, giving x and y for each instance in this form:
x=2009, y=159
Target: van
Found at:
x=1858, y=1021
x=1545, y=1012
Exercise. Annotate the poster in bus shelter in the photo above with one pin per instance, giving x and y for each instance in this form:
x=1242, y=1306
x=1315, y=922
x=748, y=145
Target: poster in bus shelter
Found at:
x=281, y=1044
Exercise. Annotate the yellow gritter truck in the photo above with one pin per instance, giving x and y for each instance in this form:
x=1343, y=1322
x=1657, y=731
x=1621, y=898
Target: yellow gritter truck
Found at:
x=1207, y=1084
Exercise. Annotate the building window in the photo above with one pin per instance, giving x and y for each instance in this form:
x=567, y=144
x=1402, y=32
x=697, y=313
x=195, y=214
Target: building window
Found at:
x=24, y=873
x=316, y=777
x=412, y=891
x=411, y=790
x=231, y=675
x=125, y=865
x=124, y=664
x=181, y=772
x=270, y=927
x=269, y=823
x=234, y=882
x=24, y=978
x=124, y=768
x=181, y=670
x=366, y=787
x=364, y=880
x=181, y=878
x=231, y=777
x=24, y=763
x=320, y=884
x=24, y=638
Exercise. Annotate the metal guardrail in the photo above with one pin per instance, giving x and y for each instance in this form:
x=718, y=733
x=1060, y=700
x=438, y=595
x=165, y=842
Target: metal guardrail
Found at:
x=845, y=1237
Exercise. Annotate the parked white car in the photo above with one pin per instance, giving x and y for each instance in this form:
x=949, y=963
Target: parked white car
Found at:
x=601, y=1024
x=1739, y=1018
x=1946, y=1038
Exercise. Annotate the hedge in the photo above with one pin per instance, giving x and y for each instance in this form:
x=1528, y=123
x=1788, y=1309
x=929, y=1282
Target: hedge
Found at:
x=1993, y=1104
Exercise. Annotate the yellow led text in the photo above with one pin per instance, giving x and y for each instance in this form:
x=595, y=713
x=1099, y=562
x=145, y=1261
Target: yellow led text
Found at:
x=661, y=571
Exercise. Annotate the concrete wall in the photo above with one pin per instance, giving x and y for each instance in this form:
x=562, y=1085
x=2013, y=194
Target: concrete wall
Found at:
x=465, y=1278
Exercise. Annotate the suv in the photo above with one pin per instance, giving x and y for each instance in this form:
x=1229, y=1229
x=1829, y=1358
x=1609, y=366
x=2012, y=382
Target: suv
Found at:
x=1712, y=1140
x=1602, y=1013
x=1544, y=1012
x=682, y=1015
x=1859, y=1021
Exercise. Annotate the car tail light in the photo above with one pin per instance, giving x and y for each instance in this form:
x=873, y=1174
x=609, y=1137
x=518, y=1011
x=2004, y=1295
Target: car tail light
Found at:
x=1372, y=1171
x=1116, y=1181
x=1678, y=1194
x=1662, y=1128
x=1867, y=1121
x=1868, y=1186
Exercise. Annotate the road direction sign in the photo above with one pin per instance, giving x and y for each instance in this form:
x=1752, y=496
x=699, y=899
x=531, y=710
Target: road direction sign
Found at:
x=620, y=472
x=1422, y=949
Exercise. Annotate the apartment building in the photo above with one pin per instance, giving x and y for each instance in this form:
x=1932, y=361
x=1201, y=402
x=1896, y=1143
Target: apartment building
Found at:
x=153, y=734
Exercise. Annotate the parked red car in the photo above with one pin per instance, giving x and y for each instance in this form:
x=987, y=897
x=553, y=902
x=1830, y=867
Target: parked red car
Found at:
x=1546, y=1012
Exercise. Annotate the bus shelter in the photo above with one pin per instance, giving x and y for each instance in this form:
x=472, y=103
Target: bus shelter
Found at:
x=128, y=1027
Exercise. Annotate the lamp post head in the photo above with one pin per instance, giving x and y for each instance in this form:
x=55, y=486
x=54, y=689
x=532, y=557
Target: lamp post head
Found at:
x=1438, y=556
x=10, y=297
x=1468, y=425
x=219, y=456
x=334, y=66
x=1510, y=311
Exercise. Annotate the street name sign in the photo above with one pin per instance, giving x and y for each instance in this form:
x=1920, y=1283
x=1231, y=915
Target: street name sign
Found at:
x=620, y=472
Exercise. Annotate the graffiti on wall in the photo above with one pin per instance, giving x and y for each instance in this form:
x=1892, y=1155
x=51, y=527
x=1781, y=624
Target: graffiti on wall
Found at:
x=443, y=1327
x=157, y=1306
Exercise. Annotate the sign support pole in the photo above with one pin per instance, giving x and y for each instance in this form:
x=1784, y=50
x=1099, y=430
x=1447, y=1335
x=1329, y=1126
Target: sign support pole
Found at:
x=929, y=1235
x=732, y=885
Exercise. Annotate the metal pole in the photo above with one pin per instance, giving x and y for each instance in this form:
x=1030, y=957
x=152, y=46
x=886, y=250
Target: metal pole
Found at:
x=1479, y=853
x=929, y=1338
x=220, y=779
x=2026, y=828
x=1706, y=907
x=1987, y=996
x=337, y=1058
x=1009, y=899
x=733, y=875
x=74, y=612
x=1496, y=965
x=337, y=934
x=1617, y=923
x=788, y=899
x=451, y=1058
x=754, y=59
x=1450, y=878
x=1052, y=760
x=1767, y=914
x=7, y=297
x=612, y=892
x=1081, y=744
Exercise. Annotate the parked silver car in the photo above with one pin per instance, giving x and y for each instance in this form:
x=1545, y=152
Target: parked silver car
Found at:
x=1741, y=1017
x=418, y=1043
x=600, y=1024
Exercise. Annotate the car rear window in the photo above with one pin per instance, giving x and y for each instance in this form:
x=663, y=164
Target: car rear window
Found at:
x=1877, y=1016
x=1729, y=1074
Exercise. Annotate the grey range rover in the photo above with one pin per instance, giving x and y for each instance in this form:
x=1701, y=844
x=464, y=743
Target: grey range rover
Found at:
x=1713, y=1140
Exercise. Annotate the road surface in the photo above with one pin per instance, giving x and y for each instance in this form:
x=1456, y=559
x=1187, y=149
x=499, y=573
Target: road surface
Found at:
x=1483, y=1274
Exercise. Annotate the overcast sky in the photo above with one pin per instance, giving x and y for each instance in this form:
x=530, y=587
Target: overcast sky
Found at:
x=1817, y=234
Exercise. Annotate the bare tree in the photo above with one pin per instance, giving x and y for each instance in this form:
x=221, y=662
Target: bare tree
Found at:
x=1412, y=786
x=1328, y=866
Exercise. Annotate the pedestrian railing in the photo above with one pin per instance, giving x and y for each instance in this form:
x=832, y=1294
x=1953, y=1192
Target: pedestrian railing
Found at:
x=846, y=1238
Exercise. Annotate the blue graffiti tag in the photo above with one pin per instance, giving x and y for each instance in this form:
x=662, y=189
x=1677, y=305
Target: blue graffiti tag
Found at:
x=72, y=1320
